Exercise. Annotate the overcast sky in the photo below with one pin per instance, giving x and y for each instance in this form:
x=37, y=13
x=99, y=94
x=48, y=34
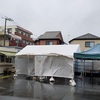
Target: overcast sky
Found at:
x=72, y=17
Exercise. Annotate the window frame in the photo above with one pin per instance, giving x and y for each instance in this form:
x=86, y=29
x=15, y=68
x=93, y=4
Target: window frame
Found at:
x=88, y=43
x=49, y=43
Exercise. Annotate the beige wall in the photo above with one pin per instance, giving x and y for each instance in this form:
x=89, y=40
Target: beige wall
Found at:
x=10, y=26
x=2, y=43
x=1, y=32
x=13, y=28
x=82, y=43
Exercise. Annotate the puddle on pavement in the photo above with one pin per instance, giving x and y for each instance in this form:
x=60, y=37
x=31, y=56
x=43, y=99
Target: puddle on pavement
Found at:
x=45, y=91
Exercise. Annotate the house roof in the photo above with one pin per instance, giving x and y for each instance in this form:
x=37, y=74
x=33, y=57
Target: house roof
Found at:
x=24, y=30
x=87, y=36
x=49, y=35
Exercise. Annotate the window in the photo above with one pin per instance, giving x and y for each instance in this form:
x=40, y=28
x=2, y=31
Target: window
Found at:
x=89, y=44
x=9, y=30
x=5, y=59
x=17, y=41
x=24, y=41
x=18, y=31
x=49, y=43
x=8, y=60
x=27, y=35
x=27, y=43
x=22, y=33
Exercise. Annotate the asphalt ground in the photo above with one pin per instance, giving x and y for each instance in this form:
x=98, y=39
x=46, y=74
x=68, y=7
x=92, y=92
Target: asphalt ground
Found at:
x=22, y=89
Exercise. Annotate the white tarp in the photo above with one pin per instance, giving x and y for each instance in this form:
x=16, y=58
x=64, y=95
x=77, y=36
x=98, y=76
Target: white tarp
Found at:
x=65, y=50
x=47, y=60
x=58, y=66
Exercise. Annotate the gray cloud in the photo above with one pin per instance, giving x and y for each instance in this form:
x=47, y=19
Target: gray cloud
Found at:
x=71, y=17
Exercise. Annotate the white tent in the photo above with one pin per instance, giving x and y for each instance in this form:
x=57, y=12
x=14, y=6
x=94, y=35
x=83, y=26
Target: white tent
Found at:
x=46, y=60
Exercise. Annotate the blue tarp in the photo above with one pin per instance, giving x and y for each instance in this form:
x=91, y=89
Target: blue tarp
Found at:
x=91, y=54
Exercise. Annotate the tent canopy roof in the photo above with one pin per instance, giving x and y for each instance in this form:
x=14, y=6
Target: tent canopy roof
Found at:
x=65, y=50
x=91, y=54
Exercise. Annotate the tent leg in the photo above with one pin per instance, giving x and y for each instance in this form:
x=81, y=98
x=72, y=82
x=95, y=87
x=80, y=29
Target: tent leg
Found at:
x=81, y=75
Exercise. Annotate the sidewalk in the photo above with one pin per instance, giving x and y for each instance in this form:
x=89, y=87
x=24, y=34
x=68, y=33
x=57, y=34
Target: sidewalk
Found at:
x=5, y=76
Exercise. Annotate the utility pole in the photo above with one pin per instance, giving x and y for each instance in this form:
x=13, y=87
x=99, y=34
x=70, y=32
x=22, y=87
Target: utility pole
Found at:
x=5, y=31
x=9, y=19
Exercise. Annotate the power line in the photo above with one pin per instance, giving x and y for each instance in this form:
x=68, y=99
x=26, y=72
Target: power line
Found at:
x=5, y=17
x=10, y=19
x=2, y=15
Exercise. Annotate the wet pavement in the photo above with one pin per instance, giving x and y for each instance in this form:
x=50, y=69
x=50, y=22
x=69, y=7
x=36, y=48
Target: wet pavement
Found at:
x=21, y=89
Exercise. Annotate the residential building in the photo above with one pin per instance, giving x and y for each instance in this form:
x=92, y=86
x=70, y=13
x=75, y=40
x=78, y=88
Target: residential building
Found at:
x=13, y=41
x=86, y=41
x=50, y=38
x=15, y=36
x=7, y=58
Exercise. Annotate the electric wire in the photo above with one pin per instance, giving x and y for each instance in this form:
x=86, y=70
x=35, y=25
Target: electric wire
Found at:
x=15, y=23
